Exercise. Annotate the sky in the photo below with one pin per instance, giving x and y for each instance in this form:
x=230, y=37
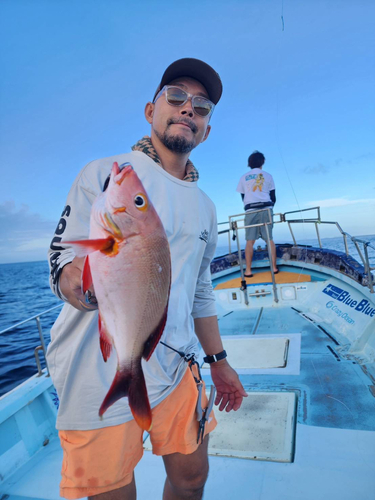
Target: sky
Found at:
x=299, y=85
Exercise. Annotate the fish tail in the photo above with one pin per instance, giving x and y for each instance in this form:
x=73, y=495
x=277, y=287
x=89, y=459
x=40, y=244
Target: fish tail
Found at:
x=130, y=383
x=138, y=400
x=119, y=389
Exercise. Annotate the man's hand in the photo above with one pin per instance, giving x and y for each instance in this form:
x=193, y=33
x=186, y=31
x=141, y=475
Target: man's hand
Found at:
x=230, y=391
x=71, y=288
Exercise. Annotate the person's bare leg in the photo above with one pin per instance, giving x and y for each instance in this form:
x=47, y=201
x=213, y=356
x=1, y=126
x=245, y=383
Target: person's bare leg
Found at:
x=273, y=253
x=127, y=492
x=186, y=474
x=249, y=251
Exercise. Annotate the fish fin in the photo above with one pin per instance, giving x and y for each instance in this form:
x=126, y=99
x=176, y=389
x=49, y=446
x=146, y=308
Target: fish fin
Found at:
x=155, y=336
x=84, y=247
x=130, y=383
x=86, y=276
x=105, y=341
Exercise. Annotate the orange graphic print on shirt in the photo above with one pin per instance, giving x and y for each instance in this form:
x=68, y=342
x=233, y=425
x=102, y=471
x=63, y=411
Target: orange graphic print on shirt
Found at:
x=258, y=183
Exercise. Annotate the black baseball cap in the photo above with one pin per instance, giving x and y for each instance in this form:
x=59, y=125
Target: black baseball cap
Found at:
x=197, y=69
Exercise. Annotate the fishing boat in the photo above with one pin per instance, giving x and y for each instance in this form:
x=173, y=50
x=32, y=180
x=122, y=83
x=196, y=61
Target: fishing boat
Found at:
x=303, y=344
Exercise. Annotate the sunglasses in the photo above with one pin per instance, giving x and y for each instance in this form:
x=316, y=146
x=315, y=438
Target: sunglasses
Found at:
x=175, y=96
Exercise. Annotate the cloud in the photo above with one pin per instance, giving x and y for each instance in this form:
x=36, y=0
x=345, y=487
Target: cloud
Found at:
x=318, y=169
x=339, y=162
x=24, y=235
x=339, y=202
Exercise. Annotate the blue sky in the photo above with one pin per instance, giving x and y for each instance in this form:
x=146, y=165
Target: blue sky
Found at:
x=76, y=75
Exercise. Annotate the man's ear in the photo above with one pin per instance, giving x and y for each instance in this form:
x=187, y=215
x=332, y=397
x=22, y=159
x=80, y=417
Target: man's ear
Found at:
x=207, y=133
x=149, y=112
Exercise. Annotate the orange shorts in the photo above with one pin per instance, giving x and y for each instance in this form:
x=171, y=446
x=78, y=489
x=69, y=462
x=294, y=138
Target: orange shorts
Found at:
x=101, y=460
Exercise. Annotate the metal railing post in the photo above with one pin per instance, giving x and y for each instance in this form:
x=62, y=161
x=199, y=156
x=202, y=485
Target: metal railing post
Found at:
x=359, y=251
x=291, y=232
x=275, y=296
x=38, y=364
x=346, y=244
x=243, y=280
x=37, y=319
x=368, y=269
x=317, y=232
x=229, y=235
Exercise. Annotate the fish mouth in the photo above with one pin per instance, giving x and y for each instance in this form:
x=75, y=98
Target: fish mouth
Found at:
x=125, y=172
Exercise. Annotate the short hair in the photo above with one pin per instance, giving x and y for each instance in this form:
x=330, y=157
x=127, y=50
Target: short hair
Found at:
x=256, y=160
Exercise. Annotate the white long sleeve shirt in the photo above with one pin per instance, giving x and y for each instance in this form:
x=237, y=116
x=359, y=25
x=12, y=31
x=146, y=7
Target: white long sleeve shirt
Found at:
x=78, y=371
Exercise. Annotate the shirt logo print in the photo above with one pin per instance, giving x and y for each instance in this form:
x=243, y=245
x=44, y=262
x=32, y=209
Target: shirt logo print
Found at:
x=204, y=236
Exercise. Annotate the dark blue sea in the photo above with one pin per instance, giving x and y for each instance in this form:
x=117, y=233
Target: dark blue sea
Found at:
x=25, y=292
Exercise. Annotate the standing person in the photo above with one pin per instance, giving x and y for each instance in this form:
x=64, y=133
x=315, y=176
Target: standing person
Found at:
x=257, y=191
x=100, y=454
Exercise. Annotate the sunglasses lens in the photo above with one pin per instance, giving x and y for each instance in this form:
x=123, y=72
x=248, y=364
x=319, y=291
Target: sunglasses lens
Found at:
x=176, y=96
x=202, y=106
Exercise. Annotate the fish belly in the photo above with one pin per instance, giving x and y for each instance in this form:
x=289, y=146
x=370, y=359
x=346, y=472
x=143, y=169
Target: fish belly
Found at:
x=132, y=289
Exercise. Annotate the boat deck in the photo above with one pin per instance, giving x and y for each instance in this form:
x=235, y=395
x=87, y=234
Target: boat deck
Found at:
x=328, y=464
x=265, y=277
x=331, y=429
x=332, y=391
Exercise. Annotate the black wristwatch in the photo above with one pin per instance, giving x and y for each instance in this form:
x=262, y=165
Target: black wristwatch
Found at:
x=215, y=357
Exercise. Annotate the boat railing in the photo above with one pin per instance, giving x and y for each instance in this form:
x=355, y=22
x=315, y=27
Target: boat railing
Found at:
x=233, y=225
x=361, y=246
x=363, y=253
x=42, y=347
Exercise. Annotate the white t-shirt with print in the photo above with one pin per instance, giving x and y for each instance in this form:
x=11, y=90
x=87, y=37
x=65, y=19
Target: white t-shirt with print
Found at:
x=256, y=186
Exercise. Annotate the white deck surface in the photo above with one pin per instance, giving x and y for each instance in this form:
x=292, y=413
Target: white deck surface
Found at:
x=329, y=464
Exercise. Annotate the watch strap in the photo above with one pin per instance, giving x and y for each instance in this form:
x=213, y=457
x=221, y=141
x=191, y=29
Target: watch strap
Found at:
x=212, y=358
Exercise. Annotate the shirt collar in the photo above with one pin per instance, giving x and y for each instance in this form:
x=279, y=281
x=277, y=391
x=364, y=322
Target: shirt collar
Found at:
x=145, y=146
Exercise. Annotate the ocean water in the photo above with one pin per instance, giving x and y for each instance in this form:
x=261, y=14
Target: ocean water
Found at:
x=25, y=292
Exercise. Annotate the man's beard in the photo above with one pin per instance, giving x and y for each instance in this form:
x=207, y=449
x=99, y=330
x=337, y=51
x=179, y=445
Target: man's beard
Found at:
x=176, y=143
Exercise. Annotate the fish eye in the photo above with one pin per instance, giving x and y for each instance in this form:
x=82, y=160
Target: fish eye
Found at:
x=140, y=201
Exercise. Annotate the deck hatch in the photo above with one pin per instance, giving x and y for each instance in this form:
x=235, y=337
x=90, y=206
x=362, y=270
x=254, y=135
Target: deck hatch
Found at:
x=255, y=352
x=263, y=429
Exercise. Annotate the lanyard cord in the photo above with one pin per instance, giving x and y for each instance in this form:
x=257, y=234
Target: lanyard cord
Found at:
x=189, y=358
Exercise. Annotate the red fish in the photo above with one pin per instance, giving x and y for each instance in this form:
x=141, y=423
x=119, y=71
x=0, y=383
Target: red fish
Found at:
x=128, y=263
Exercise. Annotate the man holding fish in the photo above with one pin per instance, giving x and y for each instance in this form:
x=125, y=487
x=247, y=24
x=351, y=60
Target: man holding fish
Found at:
x=131, y=259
